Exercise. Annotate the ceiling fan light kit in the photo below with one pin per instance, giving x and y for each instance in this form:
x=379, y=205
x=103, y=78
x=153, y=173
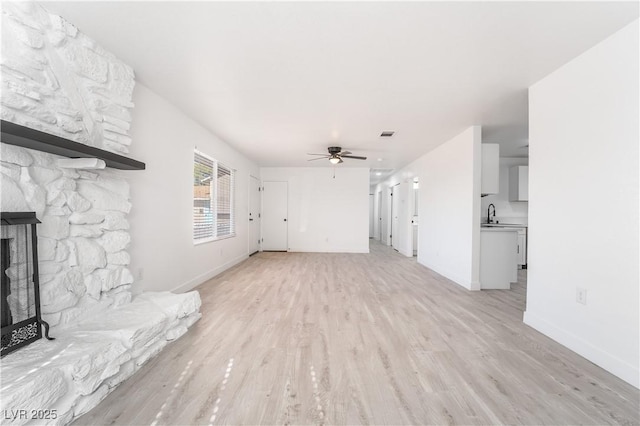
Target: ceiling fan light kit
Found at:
x=336, y=154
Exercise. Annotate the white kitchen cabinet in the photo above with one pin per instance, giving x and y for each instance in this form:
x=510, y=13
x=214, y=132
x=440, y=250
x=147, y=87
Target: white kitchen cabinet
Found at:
x=498, y=268
x=519, y=183
x=490, y=182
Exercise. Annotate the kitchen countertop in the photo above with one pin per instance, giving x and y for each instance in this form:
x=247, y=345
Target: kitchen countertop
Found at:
x=502, y=225
x=497, y=229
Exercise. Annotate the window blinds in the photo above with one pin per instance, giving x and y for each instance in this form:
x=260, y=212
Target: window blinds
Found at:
x=213, y=199
x=202, y=197
x=224, y=201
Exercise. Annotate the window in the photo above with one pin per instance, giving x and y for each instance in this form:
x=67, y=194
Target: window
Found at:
x=213, y=193
x=224, y=202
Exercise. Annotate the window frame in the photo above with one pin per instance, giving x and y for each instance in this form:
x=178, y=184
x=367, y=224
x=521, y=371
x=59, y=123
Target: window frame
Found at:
x=214, y=201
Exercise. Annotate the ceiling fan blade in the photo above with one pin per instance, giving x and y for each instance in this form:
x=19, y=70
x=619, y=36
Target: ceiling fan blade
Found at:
x=355, y=157
x=345, y=153
x=319, y=158
x=339, y=158
x=317, y=154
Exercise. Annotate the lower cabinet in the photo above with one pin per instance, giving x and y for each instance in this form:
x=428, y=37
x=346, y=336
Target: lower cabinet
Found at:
x=498, y=262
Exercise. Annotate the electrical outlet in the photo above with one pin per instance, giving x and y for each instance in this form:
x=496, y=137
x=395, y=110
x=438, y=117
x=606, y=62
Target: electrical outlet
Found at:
x=140, y=274
x=581, y=295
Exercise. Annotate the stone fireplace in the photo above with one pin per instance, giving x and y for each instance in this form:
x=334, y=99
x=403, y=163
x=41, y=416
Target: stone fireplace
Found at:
x=60, y=82
x=20, y=289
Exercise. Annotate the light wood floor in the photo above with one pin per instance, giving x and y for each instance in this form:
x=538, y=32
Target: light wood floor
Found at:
x=307, y=338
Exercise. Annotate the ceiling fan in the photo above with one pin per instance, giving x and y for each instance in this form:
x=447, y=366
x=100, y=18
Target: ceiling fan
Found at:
x=336, y=154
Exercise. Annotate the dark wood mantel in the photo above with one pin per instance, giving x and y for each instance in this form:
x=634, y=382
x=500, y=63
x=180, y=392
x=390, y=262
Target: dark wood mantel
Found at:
x=15, y=134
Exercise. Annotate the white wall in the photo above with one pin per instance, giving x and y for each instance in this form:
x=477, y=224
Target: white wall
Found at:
x=161, y=217
x=583, y=205
x=513, y=211
x=326, y=214
x=449, y=207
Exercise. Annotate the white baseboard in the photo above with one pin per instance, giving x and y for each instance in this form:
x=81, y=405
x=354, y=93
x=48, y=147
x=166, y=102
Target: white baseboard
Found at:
x=627, y=372
x=191, y=284
x=405, y=253
x=449, y=275
x=475, y=286
x=329, y=250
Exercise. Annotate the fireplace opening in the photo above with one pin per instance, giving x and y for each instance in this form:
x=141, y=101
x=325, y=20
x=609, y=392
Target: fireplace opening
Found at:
x=20, y=292
x=7, y=318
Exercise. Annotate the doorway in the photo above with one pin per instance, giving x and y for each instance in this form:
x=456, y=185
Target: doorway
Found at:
x=254, y=215
x=371, y=216
x=379, y=216
x=385, y=231
x=414, y=218
x=395, y=212
x=275, y=198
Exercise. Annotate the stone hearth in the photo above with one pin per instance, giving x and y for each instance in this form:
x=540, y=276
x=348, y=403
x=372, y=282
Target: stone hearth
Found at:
x=64, y=378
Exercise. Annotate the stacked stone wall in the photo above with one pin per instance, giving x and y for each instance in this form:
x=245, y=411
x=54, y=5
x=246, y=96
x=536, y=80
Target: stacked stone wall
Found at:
x=84, y=234
x=58, y=80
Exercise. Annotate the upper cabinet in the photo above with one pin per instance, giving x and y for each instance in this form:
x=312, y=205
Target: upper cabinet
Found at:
x=490, y=183
x=519, y=183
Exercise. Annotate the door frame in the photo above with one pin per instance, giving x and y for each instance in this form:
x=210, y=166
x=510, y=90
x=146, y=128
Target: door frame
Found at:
x=286, y=218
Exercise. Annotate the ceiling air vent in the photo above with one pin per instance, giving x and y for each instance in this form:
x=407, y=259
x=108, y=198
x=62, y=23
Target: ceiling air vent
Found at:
x=387, y=134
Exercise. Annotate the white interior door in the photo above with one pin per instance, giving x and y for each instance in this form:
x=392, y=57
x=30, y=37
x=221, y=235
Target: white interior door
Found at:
x=379, y=215
x=371, y=216
x=274, y=216
x=386, y=216
x=395, y=212
x=254, y=215
x=414, y=218
x=402, y=213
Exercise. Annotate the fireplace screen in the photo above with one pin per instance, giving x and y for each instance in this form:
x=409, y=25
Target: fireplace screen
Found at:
x=20, y=299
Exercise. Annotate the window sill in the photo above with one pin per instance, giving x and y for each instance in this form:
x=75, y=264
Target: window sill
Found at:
x=209, y=240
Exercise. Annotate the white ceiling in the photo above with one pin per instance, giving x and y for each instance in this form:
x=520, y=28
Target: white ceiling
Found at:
x=277, y=80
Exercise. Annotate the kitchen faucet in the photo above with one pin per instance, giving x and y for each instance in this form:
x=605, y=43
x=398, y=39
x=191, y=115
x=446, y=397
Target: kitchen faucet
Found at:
x=489, y=212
